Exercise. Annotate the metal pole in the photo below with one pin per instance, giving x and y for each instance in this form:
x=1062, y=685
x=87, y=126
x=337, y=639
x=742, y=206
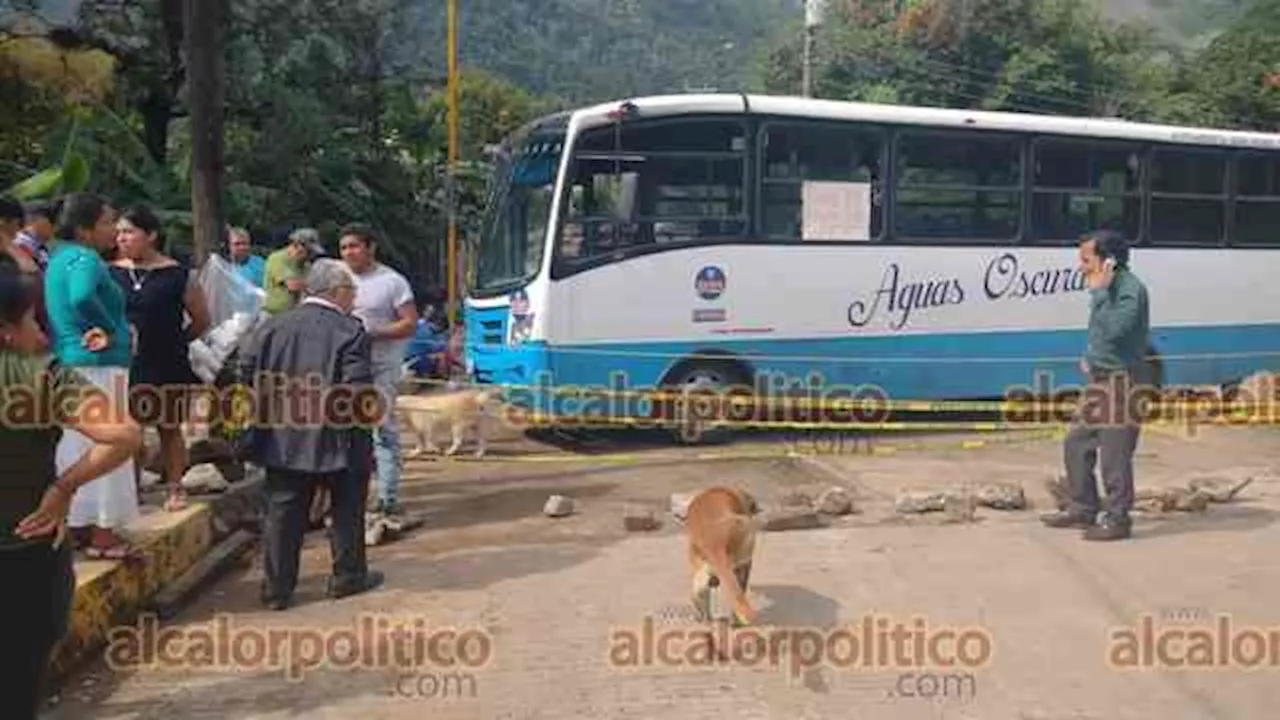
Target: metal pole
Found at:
x=812, y=19
x=451, y=188
x=806, y=71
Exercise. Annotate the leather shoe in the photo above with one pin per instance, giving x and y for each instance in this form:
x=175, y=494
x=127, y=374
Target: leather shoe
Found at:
x=371, y=580
x=1069, y=520
x=1108, y=529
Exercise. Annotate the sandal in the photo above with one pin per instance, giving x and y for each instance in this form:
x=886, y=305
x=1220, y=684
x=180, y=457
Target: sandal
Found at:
x=121, y=550
x=175, y=503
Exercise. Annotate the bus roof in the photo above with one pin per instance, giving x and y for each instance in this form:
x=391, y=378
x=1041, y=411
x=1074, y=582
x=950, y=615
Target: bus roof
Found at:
x=668, y=105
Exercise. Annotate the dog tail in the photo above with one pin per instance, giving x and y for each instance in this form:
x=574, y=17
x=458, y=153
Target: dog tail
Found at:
x=720, y=562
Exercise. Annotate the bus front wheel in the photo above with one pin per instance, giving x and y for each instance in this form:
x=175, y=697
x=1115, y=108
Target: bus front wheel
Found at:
x=695, y=400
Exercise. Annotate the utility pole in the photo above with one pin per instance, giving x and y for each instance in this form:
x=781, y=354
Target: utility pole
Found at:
x=812, y=19
x=205, y=76
x=451, y=189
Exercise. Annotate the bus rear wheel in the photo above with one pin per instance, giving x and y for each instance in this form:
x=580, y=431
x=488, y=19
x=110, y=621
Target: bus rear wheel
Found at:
x=696, y=399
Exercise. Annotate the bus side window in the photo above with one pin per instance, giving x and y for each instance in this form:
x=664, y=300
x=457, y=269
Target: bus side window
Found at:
x=659, y=181
x=1081, y=186
x=1257, y=207
x=807, y=165
x=1188, y=196
x=958, y=185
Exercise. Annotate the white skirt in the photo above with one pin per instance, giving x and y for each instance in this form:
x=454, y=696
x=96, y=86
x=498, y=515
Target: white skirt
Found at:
x=111, y=500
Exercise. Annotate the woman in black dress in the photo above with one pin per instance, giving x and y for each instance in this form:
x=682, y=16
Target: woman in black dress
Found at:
x=35, y=559
x=158, y=290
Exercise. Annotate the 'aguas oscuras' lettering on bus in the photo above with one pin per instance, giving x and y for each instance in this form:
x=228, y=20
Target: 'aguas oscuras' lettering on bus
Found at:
x=1004, y=278
x=933, y=252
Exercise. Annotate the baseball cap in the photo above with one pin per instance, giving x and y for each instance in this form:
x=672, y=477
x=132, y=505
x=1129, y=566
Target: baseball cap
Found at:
x=309, y=238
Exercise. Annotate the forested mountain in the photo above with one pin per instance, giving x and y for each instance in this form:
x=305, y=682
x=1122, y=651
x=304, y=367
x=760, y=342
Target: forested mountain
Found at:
x=336, y=110
x=581, y=50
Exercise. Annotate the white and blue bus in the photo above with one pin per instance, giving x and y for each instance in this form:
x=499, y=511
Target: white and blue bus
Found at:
x=711, y=240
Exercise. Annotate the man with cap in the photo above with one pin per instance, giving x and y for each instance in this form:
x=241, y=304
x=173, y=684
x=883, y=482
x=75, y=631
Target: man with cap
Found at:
x=286, y=268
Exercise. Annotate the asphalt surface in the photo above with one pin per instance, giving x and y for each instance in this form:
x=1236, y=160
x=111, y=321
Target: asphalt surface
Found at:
x=553, y=603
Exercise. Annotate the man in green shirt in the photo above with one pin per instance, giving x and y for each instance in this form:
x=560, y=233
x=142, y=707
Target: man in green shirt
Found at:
x=1117, y=369
x=285, y=274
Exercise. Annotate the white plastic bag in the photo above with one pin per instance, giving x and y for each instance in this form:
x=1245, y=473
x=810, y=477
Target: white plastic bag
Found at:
x=235, y=309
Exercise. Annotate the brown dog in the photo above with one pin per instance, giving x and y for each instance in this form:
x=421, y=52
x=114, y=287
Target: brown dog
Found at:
x=722, y=534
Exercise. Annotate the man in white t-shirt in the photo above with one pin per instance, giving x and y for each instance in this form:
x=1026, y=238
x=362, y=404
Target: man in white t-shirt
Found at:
x=384, y=303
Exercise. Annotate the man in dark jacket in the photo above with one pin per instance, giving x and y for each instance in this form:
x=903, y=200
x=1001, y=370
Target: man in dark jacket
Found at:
x=1117, y=368
x=314, y=407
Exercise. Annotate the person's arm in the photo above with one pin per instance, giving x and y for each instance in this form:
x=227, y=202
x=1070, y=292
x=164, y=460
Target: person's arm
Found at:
x=355, y=372
x=295, y=278
x=406, y=312
x=197, y=308
x=85, y=408
x=83, y=278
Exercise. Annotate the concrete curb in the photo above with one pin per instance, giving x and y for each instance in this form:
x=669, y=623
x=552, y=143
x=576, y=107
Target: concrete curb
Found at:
x=111, y=593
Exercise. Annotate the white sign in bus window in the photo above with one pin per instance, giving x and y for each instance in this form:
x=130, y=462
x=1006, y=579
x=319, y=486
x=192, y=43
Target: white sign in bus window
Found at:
x=836, y=210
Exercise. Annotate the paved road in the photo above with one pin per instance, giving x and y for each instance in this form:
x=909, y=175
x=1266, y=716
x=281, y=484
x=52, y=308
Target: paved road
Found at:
x=548, y=593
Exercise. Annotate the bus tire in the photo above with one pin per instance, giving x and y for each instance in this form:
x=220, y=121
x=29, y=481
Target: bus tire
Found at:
x=695, y=389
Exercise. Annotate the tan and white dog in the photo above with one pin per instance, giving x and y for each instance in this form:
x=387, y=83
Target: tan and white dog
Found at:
x=423, y=415
x=721, y=529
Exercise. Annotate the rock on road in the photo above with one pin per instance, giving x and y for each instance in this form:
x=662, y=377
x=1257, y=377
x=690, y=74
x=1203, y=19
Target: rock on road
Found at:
x=550, y=591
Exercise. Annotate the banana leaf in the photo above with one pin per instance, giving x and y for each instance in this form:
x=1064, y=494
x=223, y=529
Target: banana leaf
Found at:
x=43, y=184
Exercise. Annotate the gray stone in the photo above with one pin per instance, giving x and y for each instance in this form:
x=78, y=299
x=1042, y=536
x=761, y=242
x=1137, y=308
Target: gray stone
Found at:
x=1057, y=489
x=796, y=499
x=1190, y=500
x=920, y=501
x=1002, y=496
x=210, y=450
x=790, y=519
x=959, y=508
x=835, y=501
x=1166, y=500
x=638, y=519
x=204, y=477
x=680, y=504
x=558, y=506
x=1219, y=490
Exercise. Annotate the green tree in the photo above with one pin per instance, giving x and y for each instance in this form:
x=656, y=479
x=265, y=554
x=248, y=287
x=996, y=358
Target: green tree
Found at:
x=1235, y=81
x=1042, y=56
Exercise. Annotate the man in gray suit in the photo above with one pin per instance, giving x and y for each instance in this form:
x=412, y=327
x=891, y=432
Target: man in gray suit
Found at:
x=314, y=406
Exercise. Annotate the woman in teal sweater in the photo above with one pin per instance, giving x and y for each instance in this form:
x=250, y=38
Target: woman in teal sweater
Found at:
x=90, y=334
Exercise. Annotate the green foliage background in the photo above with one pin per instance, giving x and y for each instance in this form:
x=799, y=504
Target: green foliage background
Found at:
x=336, y=109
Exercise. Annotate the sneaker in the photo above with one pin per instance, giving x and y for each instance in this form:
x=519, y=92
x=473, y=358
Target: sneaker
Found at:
x=375, y=529
x=1068, y=520
x=392, y=516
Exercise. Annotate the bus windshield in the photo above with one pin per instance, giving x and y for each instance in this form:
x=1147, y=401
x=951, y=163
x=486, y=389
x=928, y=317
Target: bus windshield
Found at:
x=515, y=224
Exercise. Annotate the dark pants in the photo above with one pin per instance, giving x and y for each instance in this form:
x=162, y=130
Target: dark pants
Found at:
x=1107, y=424
x=41, y=586
x=289, y=495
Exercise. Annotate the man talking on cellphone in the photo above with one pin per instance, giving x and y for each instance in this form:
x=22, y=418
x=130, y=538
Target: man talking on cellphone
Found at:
x=1114, y=364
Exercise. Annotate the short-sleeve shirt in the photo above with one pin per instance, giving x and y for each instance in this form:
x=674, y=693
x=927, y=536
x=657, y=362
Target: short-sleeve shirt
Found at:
x=280, y=268
x=379, y=293
x=252, y=269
